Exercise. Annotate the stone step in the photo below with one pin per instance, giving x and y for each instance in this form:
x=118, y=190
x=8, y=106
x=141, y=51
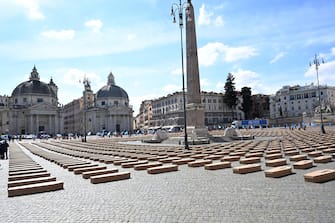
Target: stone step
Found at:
x=162, y=169
x=276, y=162
x=35, y=188
x=218, y=165
x=323, y=159
x=87, y=169
x=183, y=161
x=88, y=174
x=199, y=163
x=148, y=165
x=320, y=176
x=110, y=177
x=280, y=171
x=30, y=181
x=72, y=168
x=23, y=172
x=249, y=168
x=303, y=164
x=298, y=157
x=28, y=176
x=250, y=160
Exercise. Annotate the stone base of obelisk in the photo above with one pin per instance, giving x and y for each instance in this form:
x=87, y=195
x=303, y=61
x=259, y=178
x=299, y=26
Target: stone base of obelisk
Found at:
x=196, y=129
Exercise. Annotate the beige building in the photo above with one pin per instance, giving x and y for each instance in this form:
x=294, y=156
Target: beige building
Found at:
x=168, y=111
x=107, y=110
x=32, y=108
x=290, y=103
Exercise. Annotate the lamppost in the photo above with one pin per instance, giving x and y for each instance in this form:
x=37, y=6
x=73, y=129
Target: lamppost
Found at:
x=316, y=62
x=180, y=7
x=86, y=87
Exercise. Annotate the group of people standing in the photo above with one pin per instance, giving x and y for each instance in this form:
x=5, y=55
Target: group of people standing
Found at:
x=4, y=149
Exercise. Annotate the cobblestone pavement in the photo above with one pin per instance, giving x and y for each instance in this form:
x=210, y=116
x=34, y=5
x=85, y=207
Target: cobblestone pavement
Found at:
x=187, y=195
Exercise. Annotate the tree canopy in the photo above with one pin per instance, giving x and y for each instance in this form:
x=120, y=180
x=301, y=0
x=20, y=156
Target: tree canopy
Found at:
x=230, y=96
x=247, y=102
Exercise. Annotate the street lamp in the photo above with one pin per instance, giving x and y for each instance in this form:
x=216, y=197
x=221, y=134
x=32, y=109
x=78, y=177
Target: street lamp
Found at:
x=316, y=62
x=180, y=7
x=86, y=88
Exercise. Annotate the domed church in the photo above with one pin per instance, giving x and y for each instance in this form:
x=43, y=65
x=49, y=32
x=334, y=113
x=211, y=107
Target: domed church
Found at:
x=111, y=111
x=107, y=110
x=33, y=108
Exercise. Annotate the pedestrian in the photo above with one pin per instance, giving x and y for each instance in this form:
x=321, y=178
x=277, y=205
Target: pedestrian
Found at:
x=5, y=146
x=2, y=150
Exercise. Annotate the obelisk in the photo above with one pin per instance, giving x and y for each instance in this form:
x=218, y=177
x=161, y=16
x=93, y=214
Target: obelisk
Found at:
x=195, y=110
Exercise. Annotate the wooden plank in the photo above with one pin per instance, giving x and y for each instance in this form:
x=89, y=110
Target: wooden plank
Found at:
x=323, y=159
x=303, y=164
x=199, y=163
x=87, y=175
x=162, y=169
x=148, y=165
x=280, y=171
x=35, y=188
x=30, y=181
x=249, y=168
x=218, y=165
x=276, y=162
x=320, y=176
x=110, y=177
x=28, y=176
x=86, y=169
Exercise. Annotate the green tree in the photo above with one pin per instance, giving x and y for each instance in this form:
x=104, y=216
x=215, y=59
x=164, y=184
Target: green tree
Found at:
x=230, y=96
x=247, y=102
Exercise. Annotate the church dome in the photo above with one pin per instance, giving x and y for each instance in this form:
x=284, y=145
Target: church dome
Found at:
x=111, y=90
x=34, y=86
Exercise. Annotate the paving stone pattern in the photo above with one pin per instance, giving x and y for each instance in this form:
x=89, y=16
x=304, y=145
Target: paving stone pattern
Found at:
x=191, y=194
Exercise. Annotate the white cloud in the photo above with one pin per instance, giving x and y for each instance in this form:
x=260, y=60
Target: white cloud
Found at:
x=204, y=82
x=176, y=72
x=218, y=21
x=171, y=88
x=95, y=25
x=238, y=53
x=207, y=18
x=277, y=57
x=211, y=52
x=248, y=78
x=326, y=73
x=131, y=36
x=59, y=35
x=32, y=9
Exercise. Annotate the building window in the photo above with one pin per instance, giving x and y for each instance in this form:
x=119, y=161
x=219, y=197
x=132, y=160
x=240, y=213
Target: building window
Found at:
x=306, y=95
x=103, y=103
x=24, y=99
x=291, y=97
x=39, y=100
x=313, y=95
x=116, y=102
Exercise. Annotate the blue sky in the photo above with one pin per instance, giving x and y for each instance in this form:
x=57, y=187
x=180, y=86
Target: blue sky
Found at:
x=265, y=44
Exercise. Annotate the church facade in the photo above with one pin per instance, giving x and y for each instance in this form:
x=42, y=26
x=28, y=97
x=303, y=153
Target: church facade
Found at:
x=107, y=110
x=33, y=108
